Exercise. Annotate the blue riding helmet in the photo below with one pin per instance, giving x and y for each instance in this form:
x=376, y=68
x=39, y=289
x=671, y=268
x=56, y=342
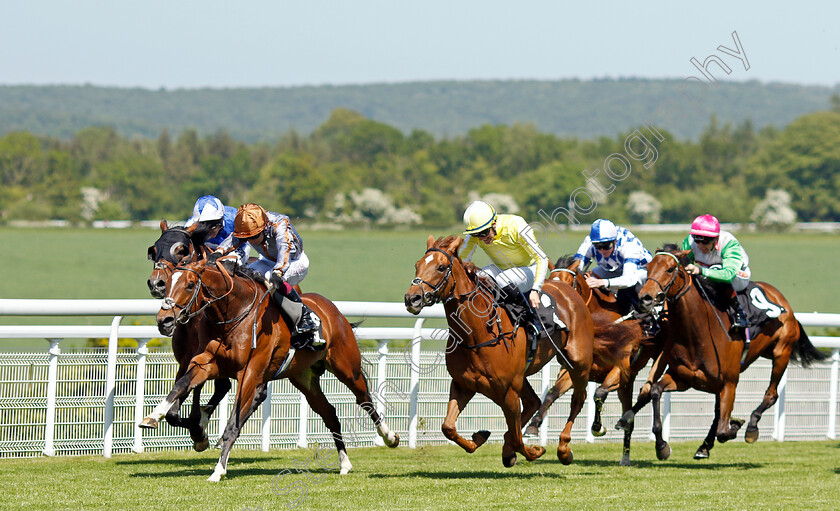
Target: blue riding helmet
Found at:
x=603, y=230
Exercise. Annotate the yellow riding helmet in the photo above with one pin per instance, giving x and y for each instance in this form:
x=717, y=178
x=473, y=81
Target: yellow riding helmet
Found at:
x=250, y=220
x=478, y=217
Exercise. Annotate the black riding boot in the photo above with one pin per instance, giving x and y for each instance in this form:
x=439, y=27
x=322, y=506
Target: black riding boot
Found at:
x=304, y=328
x=521, y=308
x=737, y=316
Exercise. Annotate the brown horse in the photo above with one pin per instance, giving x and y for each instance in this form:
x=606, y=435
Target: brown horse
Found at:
x=619, y=353
x=485, y=354
x=249, y=341
x=701, y=354
x=176, y=246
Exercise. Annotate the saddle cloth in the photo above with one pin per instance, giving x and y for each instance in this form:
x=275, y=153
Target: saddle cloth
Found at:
x=758, y=309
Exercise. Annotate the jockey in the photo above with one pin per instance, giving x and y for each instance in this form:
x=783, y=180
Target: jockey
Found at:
x=519, y=264
x=215, y=223
x=719, y=256
x=282, y=262
x=621, y=262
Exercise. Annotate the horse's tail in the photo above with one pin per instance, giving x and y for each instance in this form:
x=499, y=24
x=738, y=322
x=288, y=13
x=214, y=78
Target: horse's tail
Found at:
x=804, y=351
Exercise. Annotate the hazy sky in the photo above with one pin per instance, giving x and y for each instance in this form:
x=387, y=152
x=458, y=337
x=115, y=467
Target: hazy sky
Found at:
x=255, y=43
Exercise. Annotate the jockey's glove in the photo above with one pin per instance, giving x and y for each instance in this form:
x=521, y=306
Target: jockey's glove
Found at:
x=276, y=279
x=213, y=257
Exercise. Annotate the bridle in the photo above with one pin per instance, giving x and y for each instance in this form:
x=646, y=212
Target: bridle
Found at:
x=184, y=315
x=433, y=296
x=666, y=288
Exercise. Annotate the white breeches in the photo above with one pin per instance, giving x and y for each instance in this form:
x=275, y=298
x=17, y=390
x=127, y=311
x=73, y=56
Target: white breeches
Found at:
x=522, y=277
x=294, y=274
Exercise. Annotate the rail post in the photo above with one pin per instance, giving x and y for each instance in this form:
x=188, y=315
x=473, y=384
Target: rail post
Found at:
x=414, y=382
x=832, y=395
x=140, y=393
x=52, y=382
x=265, y=428
x=545, y=375
x=381, y=375
x=110, y=387
x=779, y=411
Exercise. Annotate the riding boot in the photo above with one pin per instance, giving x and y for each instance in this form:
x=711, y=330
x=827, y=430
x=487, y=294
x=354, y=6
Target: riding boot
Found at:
x=300, y=319
x=511, y=295
x=737, y=316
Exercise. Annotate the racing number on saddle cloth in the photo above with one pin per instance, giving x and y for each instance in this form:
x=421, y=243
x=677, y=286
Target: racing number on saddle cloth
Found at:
x=759, y=301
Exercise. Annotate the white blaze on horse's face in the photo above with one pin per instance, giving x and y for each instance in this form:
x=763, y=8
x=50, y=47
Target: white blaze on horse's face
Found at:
x=176, y=276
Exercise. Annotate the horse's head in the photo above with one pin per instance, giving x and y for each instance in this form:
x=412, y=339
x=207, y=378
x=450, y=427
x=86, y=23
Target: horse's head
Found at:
x=183, y=290
x=433, y=281
x=174, y=247
x=666, y=279
x=566, y=269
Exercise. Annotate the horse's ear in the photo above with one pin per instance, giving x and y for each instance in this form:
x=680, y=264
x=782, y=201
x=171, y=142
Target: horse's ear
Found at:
x=575, y=265
x=455, y=245
x=682, y=253
x=191, y=229
x=430, y=242
x=163, y=225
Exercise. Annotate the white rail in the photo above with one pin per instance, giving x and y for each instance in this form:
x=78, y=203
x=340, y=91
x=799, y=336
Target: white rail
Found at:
x=411, y=356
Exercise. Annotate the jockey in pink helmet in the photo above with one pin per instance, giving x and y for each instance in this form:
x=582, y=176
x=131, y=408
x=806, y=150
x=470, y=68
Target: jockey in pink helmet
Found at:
x=718, y=255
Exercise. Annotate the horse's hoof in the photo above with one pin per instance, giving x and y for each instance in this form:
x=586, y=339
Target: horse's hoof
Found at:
x=148, y=423
x=625, y=461
x=664, y=452
x=219, y=443
x=599, y=432
x=201, y=446
x=751, y=435
x=509, y=461
x=479, y=437
x=735, y=425
x=537, y=451
x=566, y=458
x=532, y=431
x=625, y=420
x=701, y=454
x=395, y=443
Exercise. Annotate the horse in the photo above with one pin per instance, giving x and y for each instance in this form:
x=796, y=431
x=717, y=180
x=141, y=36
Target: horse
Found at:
x=619, y=353
x=700, y=353
x=485, y=353
x=177, y=245
x=250, y=341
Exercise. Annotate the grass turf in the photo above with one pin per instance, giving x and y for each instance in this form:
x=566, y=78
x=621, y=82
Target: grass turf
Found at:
x=792, y=475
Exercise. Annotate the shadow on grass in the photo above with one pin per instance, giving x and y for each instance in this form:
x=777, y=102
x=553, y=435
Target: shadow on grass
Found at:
x=188, y=461
x=233, y=472
x=699, y=464
x=471, y=475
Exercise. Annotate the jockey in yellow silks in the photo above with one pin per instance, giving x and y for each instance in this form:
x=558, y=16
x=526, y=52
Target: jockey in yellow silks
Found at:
x=519, y=263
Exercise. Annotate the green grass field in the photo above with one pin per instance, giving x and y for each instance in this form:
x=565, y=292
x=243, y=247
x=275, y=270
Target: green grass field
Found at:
x=347, y=265
x=763, y=476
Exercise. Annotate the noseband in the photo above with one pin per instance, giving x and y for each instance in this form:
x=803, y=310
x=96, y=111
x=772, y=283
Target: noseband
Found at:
x=679, y=269
x=433, y=296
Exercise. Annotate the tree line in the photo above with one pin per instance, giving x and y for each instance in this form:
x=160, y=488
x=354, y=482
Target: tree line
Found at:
x=353, y=170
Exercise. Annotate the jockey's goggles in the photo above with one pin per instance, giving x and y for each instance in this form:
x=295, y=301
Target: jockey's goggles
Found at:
x=603, y=245
x=703, y=240
x=484, y=233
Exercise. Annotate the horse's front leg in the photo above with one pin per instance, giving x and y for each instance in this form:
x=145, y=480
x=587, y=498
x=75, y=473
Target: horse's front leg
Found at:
x=727, y=429
x=564, y=452
x=202, y=368
x=458, y=399
x=561, y=386
x=610, y=383
x=666, y=384
x=513, y=416
x=644, y=394
x=702, y=452
x=249, y=396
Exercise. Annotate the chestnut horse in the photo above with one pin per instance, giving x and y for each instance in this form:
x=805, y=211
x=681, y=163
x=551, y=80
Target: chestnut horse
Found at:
x=700, y=353
x=619, y=353
x=176, y=246
x=236, y=310
x=484, y=354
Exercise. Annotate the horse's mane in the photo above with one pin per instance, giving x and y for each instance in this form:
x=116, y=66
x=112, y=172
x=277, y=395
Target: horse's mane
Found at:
x=473, y=272
x=673, y=248
x=564, y=261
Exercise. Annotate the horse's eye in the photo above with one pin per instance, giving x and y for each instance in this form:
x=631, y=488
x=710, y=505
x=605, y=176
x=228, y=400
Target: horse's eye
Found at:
x=671, y=270
x=190, y=285
x=441, y=268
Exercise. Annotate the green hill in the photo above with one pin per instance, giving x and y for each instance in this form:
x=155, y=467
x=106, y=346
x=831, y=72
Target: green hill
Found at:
x=576, y=108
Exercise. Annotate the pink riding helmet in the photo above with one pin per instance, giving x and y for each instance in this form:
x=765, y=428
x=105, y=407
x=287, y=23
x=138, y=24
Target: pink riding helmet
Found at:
x=706, y=225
